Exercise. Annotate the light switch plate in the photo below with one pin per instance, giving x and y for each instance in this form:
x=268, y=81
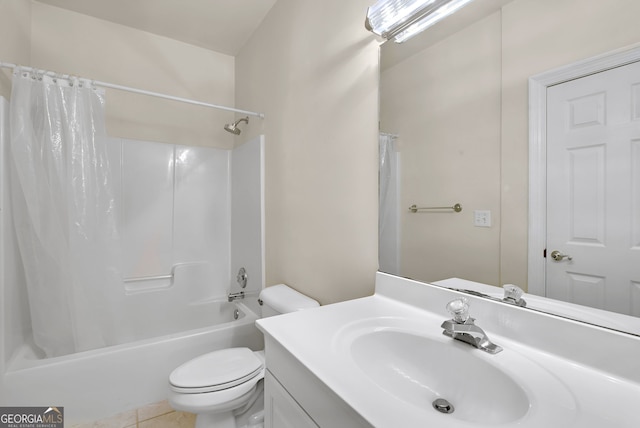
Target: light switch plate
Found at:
x=482, y=218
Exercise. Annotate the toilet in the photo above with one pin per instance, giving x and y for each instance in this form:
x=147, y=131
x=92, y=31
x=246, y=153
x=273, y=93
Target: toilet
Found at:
x=221, y=386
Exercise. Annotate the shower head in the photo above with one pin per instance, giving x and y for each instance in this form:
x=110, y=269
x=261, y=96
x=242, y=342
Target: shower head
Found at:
x=233, y=127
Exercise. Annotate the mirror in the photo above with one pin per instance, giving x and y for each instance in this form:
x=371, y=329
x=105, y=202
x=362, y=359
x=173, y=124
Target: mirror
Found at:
x=454, y=123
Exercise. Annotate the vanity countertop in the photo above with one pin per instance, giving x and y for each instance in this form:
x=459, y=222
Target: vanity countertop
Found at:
x=586, y=391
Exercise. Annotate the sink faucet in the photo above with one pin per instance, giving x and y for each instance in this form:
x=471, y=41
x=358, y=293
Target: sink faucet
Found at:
x=462, y=327
x=513, y=294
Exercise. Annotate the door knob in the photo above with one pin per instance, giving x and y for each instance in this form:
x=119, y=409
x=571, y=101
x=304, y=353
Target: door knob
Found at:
x=558, y=256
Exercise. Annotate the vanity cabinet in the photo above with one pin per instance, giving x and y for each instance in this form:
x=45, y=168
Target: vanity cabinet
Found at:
x=295, y=398
x=382, y=361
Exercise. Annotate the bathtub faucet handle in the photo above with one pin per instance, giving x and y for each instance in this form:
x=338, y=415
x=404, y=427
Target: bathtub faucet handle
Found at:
x=242, y=277
x=236, y=296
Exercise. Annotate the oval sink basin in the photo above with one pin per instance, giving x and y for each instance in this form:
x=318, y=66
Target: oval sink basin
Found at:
x=419, y=370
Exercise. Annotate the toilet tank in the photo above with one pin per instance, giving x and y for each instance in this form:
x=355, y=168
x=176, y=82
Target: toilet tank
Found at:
x=281, y=299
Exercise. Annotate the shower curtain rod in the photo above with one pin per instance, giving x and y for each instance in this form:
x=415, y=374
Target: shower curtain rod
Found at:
x=140, y=91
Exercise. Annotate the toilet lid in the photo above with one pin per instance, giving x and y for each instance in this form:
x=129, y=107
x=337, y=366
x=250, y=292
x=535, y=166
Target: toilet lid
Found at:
x=216, y=370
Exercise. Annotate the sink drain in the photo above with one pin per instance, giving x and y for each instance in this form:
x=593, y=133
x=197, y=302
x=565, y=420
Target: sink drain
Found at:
x=443, y=406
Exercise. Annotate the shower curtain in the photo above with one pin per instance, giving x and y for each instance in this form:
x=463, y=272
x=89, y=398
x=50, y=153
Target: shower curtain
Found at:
x=388, y=229
x=64, y=212
x=385, y=175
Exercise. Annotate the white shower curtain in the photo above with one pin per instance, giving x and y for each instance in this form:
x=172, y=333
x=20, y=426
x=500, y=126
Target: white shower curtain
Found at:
x=386, y=170
x=64, y=212
x=388, y=227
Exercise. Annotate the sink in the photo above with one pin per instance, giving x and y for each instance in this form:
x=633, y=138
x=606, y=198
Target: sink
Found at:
x=429, y=374
x=382, y=361
x=419, y=370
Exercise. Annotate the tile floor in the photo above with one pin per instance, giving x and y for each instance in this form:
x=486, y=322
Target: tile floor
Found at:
x=157, y=415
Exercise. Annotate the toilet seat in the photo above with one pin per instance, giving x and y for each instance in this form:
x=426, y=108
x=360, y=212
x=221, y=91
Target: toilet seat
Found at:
x=216, y=371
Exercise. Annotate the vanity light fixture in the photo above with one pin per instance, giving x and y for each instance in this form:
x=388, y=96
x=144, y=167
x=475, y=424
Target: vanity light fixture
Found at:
x=399, y=20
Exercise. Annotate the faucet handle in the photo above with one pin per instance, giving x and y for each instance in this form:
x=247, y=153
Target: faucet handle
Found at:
x=459, y=310
x=513, y=294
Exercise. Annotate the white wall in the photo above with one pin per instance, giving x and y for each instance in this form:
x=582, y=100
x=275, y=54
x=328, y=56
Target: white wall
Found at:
x=312, y=68
x=15, y=38
x=69, y=42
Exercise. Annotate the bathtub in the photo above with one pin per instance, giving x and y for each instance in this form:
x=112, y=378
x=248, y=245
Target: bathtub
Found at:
x=95, y=384
x=178, y=274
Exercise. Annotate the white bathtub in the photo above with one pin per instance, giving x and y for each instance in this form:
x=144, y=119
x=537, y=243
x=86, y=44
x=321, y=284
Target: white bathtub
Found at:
x=96, y=384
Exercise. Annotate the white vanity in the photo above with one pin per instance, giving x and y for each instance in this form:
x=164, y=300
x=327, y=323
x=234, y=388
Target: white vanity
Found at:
x=382, y=361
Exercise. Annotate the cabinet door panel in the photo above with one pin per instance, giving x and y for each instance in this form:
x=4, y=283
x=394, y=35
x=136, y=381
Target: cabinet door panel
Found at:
x=280, y=409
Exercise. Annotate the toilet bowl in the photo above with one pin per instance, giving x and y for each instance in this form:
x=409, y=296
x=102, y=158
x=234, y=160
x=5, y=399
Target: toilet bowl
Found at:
x=218, y=386
x=223, y=385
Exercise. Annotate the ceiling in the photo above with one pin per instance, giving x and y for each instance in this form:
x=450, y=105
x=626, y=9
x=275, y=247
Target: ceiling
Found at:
x=219, y=25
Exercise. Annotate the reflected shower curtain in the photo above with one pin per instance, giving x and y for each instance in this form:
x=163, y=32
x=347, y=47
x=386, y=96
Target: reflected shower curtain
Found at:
x=385, y=174
x=64, y=211
x=388, y=229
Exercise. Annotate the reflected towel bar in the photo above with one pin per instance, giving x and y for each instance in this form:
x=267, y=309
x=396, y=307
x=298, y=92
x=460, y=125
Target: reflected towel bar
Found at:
x=414, y=209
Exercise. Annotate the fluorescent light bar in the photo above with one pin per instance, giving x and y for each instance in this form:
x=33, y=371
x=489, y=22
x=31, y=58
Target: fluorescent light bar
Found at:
x=402, y=19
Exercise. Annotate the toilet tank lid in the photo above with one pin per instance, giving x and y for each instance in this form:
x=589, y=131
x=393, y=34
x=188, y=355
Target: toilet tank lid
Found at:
x=285, y=299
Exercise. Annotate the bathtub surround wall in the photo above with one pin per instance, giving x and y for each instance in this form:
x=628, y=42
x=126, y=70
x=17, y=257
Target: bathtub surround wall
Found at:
x=183, y=236
x=175, y=213
x=247, y=219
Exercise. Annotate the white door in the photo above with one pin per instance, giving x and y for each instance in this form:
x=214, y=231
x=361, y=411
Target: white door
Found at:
x=593, y=190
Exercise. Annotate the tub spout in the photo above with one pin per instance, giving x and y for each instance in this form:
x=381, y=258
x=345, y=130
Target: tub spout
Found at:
x=236, y=296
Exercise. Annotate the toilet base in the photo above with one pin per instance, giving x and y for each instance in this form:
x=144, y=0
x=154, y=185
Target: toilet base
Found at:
x=229, y=420
x=244, y=411
x=216, y=420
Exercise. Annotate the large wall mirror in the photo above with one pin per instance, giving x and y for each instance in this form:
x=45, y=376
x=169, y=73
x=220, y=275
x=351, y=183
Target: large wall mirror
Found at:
x=455, y=129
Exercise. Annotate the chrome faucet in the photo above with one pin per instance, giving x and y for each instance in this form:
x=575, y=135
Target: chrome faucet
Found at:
x=513, y=294
x=236, y=296
x=462, y=327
